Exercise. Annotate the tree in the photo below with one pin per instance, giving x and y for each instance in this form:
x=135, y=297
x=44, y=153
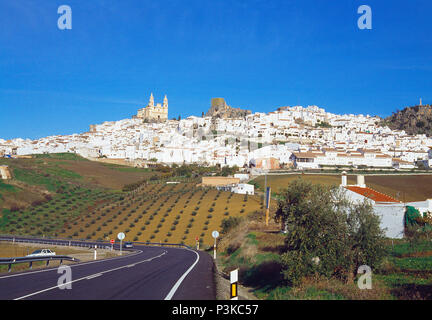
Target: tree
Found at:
x=229, y=171
x=365, y=236
x=184, y=170
x=326, y=234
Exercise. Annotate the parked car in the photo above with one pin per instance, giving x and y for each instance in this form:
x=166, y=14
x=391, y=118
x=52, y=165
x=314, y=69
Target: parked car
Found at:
x=128, y=245
x=42, y=253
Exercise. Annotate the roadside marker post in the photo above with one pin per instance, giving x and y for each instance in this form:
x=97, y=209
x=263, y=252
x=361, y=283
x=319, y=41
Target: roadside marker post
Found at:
x=215, y=235
x=95, y=253
x=234, y=284
x=112, y=244
x=197, y=243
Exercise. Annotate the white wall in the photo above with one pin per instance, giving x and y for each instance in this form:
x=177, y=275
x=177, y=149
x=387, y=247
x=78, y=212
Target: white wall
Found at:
x=392, y=218
x=392, y=215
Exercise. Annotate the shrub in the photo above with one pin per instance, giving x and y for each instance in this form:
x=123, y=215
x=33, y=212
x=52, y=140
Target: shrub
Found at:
x=321, y=214
x=230, y=223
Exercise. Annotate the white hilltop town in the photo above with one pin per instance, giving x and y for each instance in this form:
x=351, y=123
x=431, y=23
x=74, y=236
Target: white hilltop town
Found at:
x=290, y=137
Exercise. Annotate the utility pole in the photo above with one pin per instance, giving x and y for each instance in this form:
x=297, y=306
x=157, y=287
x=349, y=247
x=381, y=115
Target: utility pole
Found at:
x=265, y=186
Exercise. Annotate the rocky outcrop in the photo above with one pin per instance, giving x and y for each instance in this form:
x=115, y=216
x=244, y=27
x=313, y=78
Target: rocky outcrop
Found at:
x=414, y=120
x=219, y=109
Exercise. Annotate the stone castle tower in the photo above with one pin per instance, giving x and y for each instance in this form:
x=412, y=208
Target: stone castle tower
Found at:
x=154, y=112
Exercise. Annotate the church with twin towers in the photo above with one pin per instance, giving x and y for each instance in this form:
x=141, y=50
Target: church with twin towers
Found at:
x=154, y=112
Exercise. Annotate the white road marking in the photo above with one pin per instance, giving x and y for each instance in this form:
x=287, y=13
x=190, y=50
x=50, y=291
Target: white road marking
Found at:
x=180, y=280
x=87, y=277
x=94, y=276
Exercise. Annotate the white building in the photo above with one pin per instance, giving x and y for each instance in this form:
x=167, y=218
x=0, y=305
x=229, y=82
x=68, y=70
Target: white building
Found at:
x=244, y=188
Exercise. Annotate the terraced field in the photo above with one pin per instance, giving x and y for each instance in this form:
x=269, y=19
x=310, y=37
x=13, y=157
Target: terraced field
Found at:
x=163, y=213
x=52, y=217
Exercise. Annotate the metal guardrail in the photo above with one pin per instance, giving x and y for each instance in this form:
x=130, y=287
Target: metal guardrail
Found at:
x=84, y=243
x=30, y=260
x=69, y=243
x=58, y=242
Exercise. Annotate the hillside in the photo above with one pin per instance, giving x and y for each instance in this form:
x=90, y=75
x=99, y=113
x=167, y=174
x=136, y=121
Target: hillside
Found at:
x=67, y=196
x=160, y=212
x=47, y=176
x=414, y=120
x=47, y=191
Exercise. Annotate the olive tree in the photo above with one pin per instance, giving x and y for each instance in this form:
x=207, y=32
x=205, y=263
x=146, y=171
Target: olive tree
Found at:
x=326, y=233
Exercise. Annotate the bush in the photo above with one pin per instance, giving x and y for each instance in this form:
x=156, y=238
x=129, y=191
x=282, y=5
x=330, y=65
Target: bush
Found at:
x=230, y=223
x=313, y=215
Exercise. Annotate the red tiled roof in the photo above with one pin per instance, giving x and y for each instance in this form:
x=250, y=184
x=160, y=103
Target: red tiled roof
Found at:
x=372, y=194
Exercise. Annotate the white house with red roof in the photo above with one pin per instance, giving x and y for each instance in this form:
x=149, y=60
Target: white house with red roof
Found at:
x=390, y=210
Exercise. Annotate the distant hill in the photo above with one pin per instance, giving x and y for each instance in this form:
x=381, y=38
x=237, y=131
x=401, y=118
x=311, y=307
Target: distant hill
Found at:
x=414, y=120
x=219, y=109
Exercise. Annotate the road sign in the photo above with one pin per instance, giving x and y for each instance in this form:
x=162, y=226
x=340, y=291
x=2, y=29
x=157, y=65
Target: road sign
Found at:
x=121, y=236
x=112, y=241
x=215, y=235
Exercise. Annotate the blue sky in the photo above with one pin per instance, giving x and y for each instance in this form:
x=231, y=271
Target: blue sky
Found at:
x=257, y=54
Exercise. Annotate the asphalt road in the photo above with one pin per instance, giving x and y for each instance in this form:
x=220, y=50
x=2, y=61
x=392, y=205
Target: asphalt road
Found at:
x=149, y=273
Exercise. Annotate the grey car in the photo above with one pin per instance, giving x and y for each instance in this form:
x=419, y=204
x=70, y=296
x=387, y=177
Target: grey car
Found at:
x=128, y=245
